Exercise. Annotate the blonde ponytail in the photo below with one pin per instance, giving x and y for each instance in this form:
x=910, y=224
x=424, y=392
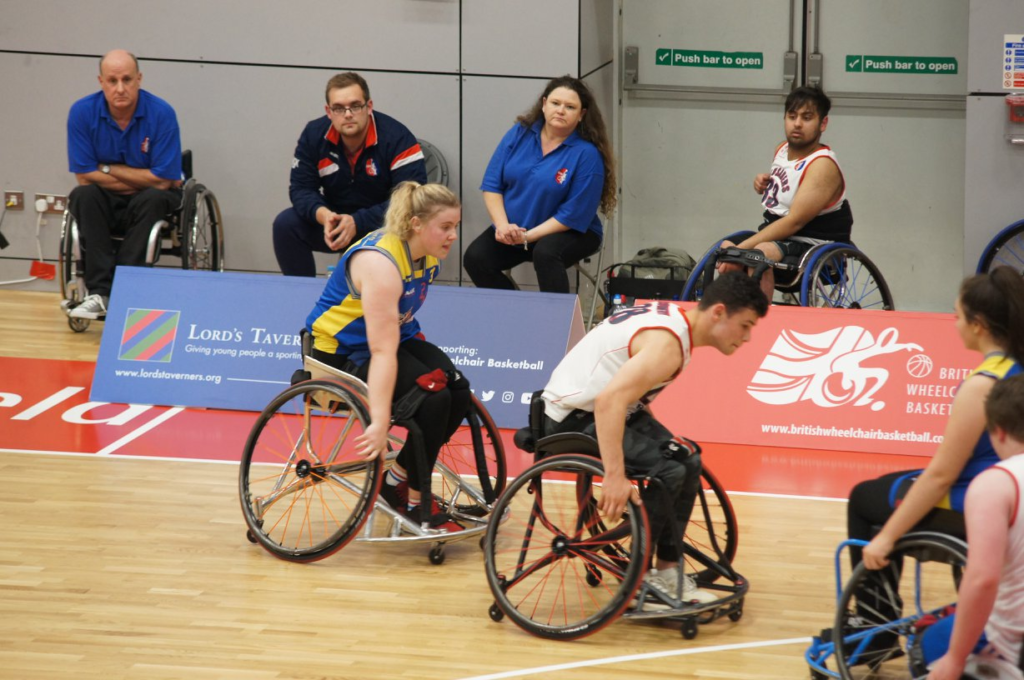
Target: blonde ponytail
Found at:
x=412, y=199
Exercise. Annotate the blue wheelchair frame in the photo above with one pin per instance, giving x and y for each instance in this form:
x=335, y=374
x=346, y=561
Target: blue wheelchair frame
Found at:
x=854, y=645
x=800, y=285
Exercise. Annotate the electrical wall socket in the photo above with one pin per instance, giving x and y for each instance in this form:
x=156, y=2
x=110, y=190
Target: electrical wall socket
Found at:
x=55, y=203
x=14, y=200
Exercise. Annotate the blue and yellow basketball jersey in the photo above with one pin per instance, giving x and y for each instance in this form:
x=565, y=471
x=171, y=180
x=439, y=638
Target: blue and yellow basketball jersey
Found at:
x=337, y=322
x=998, y=366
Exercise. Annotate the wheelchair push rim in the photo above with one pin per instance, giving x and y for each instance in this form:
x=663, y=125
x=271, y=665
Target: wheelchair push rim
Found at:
x=842, y=277
x=554, y=567
x=888, y=646
x=304, y=493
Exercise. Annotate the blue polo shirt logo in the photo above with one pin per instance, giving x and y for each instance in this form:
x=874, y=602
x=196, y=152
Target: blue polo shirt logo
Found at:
x=561, y=175
x=145, y=145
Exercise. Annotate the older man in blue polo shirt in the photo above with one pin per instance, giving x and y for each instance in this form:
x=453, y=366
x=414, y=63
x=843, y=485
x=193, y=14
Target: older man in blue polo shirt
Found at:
x=125, y=150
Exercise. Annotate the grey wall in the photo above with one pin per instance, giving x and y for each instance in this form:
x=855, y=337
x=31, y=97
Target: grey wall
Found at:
x=690, y=151
x=995, y=168
x=246, y=75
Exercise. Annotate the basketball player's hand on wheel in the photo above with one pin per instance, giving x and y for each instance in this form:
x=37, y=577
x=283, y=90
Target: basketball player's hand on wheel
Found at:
x=373, y=441
x=876, y=553
x=615, y=493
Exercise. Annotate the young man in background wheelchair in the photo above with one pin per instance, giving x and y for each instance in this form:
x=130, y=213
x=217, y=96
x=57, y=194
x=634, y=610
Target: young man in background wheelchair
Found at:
x=603, y=385
x=804, y=199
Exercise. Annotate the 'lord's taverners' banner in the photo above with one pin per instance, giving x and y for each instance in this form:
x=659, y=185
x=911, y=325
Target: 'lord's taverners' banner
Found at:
x=229, y=340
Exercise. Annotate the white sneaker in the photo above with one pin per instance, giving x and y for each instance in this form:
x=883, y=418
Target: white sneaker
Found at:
x=667, y=582
x=92, y=307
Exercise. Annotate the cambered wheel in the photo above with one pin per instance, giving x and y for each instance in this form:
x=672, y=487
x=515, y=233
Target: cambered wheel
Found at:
x=844, y=278
x=477, y=453
x=882, y=614
x=540, y=561
x=712, y=529
x=304, y=492
x=200, y=230
x=71, y=270
x=694, y=289
x=1005, y=250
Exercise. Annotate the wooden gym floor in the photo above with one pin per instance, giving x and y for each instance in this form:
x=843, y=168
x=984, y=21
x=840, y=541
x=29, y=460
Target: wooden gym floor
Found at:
x=126, y=557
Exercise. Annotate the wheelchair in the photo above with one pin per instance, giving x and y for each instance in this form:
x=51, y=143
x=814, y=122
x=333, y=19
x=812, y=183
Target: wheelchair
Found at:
x=435, y=162
x=1005, y=250
x=880, y=645
x=560, y=571
x=305, y=494
x=194, y=232
x=833, y=274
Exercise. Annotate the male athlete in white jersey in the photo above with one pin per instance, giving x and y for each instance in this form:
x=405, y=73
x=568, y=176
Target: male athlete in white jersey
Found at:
x=602, y=388
x=804, y=194
x=988, y=629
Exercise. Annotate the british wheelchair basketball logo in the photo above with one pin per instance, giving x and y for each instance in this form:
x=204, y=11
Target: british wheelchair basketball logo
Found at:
x=826, y=368
x=149, y=335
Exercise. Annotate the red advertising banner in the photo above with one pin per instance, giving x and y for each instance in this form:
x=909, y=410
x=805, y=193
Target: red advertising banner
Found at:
x=828, y=379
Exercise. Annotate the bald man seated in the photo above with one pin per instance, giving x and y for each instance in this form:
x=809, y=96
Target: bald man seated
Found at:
x=124, y=148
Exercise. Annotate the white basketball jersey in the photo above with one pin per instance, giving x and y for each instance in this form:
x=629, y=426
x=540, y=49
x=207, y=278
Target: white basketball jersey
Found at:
x=594, y=361
x=785, y=177
x=1005, y=627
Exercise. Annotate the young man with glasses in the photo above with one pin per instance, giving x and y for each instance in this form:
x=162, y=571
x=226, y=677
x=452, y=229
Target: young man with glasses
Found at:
x=346, y=164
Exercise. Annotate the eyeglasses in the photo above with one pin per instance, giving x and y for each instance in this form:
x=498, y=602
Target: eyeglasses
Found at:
x=342, y=110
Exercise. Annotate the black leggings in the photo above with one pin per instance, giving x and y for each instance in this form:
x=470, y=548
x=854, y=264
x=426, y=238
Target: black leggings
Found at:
x=643, y=447
x=869, y=509
x=438, y=416
x=486, y=259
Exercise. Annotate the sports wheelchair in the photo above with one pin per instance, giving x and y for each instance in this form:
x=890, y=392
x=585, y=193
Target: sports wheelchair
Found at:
x=865, y=642
x=831, y=274
x=305, y=494
x=194, y=232
x=560, y=571
x=1005, y=250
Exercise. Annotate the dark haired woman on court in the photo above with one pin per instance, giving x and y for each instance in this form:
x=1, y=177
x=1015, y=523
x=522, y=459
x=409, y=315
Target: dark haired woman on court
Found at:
x=365, y=324
x=543, y=187
x=990, y=321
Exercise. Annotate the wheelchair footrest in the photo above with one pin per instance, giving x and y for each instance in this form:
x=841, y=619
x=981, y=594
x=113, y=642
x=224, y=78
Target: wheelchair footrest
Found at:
x=730, y=603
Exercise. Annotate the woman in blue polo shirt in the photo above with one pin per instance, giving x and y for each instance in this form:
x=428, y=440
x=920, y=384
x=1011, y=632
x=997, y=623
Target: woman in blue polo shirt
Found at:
x=546, y=181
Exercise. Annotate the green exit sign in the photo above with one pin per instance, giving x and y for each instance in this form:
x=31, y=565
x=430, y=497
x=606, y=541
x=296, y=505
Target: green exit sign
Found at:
x=870, y=63
x=708, y=58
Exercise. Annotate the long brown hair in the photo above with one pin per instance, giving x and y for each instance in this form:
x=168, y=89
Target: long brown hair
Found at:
x=996, y=299
x=591, y=128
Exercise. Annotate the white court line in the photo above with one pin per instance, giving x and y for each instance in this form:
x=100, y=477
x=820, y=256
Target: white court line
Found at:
x=124, y=456
x=758, y=494
x=163, y=417
x=637, y=657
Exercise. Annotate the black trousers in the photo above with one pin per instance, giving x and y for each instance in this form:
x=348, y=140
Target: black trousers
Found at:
x=103, y=215
x=870, y=508
x=486, y=260
x=440, y=414
x=643, y=446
